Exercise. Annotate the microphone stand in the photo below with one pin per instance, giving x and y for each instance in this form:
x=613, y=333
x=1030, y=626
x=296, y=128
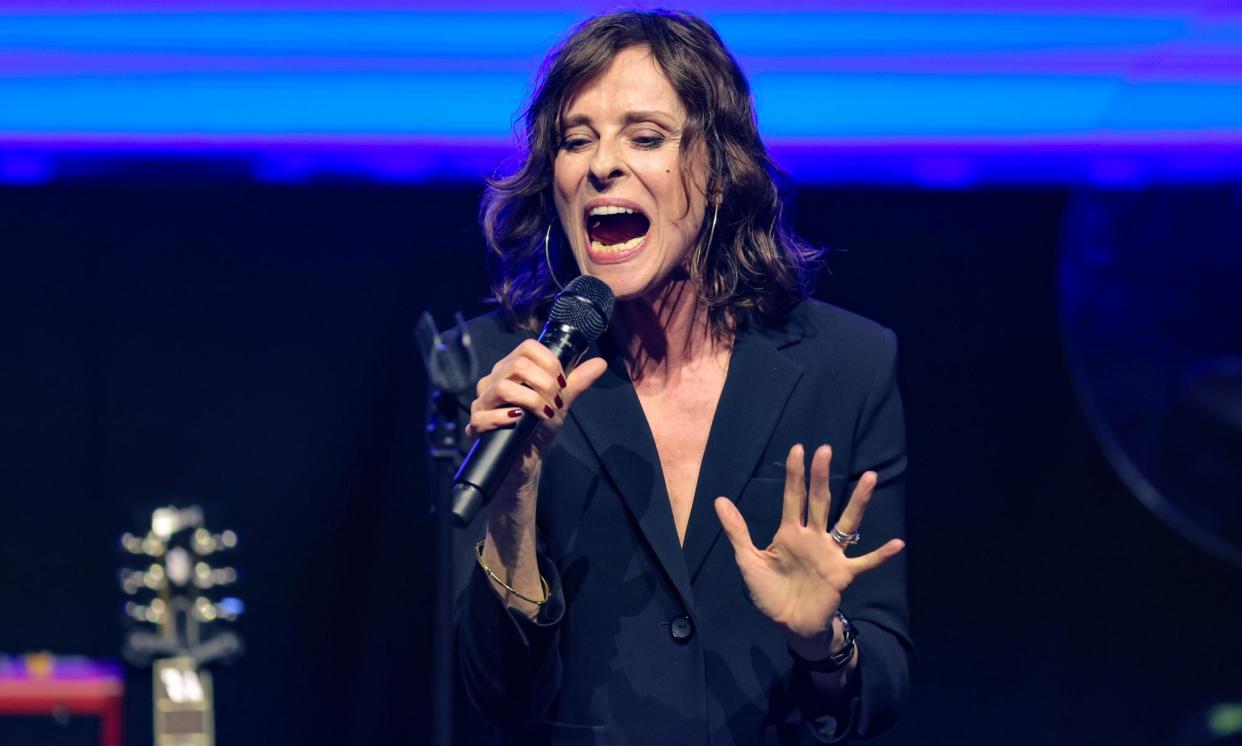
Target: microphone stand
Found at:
x=451, y=370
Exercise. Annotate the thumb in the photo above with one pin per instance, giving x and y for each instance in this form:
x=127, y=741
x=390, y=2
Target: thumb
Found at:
x=734, y=525
x=587, y=373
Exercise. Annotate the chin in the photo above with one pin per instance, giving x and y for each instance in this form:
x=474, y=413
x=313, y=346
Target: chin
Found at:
x=635, y=283
x=624, y=285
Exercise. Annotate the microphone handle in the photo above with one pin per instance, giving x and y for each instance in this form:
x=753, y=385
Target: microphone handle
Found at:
x=496, y=452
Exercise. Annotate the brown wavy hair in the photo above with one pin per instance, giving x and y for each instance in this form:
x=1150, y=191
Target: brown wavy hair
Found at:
x=757, y=268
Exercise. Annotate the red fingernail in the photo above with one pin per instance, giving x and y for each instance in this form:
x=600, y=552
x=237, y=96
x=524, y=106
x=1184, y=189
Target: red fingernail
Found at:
x=561, y=380
x=515, y=413
x=559, y=403
x=548, y=411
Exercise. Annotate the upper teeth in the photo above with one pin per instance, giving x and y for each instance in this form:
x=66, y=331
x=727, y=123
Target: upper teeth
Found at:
x=611, y=210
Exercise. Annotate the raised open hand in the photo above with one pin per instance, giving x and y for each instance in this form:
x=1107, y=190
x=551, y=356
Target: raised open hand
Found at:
x=798, y=580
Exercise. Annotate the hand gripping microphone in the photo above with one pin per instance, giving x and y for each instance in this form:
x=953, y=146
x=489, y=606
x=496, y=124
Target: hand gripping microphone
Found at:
x=579, y=315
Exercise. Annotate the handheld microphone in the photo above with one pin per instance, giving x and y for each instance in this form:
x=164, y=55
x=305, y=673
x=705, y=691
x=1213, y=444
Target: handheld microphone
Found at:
x=579, y=315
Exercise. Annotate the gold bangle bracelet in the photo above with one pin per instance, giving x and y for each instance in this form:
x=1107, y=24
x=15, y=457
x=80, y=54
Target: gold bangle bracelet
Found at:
x=478, y=553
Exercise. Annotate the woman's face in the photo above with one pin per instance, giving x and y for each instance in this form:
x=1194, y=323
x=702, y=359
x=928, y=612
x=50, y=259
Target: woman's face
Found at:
x=617, y=178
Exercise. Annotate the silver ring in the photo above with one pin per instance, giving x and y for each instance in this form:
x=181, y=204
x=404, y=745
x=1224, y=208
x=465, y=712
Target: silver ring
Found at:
x=844, y=539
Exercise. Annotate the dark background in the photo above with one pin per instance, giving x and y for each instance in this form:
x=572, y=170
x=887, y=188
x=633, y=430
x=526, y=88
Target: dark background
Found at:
x=247, y=347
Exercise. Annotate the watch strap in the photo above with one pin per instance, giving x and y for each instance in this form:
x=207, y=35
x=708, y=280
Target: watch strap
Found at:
x=835, y=661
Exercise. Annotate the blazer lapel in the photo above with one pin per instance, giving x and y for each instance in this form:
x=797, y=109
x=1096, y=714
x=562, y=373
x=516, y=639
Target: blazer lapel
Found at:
x=758, y=386
x=611, y=417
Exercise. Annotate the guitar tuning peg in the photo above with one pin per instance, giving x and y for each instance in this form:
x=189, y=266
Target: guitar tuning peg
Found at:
x=133, y=581
x=205, y=576
x=131, y=543
x=154, y=577
x=206, y=542
x=230, y=607
x=153, y=612
x=206, y=611
x=202, y=575
x=153, y=546
x=149, y=546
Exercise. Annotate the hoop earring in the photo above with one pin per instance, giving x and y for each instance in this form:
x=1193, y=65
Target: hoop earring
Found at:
x=711, y=236
x=547, y=256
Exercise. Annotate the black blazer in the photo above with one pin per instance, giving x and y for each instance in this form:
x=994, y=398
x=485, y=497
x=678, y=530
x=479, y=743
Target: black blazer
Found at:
x=646, y=642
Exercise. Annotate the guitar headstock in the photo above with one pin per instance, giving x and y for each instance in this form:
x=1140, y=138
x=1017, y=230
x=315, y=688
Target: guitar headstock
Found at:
x=180, y=603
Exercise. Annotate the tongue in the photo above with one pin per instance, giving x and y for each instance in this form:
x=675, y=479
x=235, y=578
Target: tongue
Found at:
x=616, y=229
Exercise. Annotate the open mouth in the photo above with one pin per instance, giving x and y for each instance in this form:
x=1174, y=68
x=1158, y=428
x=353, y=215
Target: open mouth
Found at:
x=614, y=229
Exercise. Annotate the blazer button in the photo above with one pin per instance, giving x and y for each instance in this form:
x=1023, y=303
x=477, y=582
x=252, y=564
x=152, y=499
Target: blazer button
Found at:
x=681, y=628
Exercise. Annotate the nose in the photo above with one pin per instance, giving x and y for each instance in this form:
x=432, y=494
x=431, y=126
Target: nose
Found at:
x=606, y=164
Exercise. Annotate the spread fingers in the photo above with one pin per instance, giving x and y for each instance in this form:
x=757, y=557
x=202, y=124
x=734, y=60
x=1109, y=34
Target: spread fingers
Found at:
x=819, y=501
x=877, y=557
x=794, y=507
x=852, y=517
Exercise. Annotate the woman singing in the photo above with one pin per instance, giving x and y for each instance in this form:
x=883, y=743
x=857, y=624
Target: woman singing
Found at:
x=674, y=560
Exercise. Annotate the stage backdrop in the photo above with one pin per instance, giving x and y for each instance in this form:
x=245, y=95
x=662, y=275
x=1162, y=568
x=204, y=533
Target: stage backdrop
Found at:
x=248, y=348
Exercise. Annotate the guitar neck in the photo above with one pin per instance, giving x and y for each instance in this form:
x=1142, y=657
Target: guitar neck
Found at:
x=176, y=612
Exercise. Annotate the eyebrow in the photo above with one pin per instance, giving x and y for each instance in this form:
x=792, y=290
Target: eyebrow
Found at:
x=630, y=117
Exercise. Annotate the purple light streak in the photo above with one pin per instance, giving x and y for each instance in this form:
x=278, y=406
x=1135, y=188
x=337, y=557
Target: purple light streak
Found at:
x=1129, y=8
x=1104, y=159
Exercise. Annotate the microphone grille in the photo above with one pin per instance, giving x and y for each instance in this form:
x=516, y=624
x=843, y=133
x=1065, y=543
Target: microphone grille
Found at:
x=585, y=303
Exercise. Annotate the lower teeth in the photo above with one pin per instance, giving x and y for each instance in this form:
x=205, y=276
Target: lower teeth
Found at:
x=600, y=248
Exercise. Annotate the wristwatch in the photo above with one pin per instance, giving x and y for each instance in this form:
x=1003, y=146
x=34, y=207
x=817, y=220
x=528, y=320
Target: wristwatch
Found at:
x=836, y=661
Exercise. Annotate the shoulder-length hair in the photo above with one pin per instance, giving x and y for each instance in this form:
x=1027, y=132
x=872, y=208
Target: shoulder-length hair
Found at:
x=756, y=267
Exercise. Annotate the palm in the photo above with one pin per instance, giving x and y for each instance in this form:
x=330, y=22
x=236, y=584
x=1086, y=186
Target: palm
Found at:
x=797, y=581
